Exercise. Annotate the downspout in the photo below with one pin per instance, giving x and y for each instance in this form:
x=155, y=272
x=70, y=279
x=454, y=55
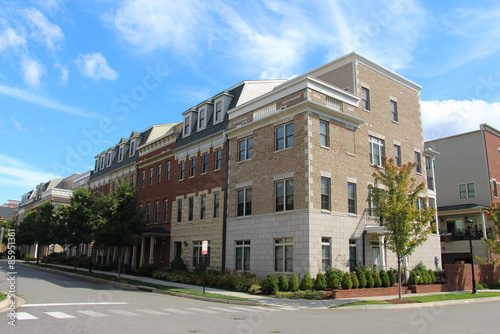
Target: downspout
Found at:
x=364, y=253
x=224, y=214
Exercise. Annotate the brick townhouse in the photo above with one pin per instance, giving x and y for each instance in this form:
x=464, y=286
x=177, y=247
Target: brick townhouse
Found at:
x=301, y=158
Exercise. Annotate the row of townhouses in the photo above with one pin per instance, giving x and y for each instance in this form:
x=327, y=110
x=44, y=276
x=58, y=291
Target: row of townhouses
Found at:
x=275, y=174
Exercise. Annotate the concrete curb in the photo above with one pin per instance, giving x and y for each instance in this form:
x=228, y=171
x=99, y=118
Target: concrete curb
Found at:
x=421, y=305
x=4, y=304
x=150, y=289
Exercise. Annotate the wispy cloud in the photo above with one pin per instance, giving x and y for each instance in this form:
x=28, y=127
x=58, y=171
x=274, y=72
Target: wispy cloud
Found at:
x=42, y=101
x=450, y=117
x=32, y=71
x=95, y=67
x=16, y=124
x=11, y=38
x=42, y=29
x=17, y=173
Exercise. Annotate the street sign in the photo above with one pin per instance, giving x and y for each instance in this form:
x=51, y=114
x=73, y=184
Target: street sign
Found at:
x=204, y=247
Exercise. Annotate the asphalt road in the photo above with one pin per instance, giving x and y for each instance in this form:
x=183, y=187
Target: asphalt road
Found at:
x=59, y=304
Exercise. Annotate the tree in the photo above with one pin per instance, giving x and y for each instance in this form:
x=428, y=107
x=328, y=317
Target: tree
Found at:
x=493, y=212
x=24, y=231
x=43, y=229
x=394, y=197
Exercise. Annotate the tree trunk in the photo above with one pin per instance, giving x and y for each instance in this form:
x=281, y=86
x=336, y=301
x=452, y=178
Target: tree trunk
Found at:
x=47, y=257
x=119, y=262
x=38, y=254
x=399, y=276
x=76, y=257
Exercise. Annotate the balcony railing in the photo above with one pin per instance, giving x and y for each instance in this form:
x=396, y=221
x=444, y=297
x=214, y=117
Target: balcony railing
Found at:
x=461, y=235
x=334, y=103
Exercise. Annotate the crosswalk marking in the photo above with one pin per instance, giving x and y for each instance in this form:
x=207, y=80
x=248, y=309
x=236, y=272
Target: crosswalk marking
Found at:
x=247, y=309
x=123, y=312
x=174, y=310
x=93, y=314
x=25, y=316
x=223, y=309
x=59, y=315
x=152, y=312
x=201, y=310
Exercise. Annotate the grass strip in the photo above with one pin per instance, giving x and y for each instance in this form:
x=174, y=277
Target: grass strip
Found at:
x=300, y=295
x=2, y=296
x=113, y=278
x=452, y=296
x=361, y=303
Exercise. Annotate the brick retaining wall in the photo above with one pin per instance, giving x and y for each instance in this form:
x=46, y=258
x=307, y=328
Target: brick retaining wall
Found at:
x=459, y=276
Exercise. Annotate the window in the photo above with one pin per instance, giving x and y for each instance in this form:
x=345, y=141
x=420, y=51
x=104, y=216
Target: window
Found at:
x=325, y=254
x=324, y=139
x=325, y=193
x=372, y=206
x=351, y=197
x=163, y=249
x=244, y=202
x=165, y=210
x=140, y=211
x=203, y=121
x=179, y=210
x=495, y=191
x=418, y=160
x=167, y=172
x=365, y=96
x=243, y=255
x=397, y=155
x=187, y=123
x=143, y=178
x=148, y=211
x=197, y=256
x=284, y=136
x=467, y=190
x=218, y=111
x=394, y=111
x=245, y=149
x=352, y=255
x=204, y=163
x=203, y=206
x=158, y=174
x=192, y=170
x=96, y=167
x=182, y=165
x=377, y=151
x=109, y=160
x=216, y=204
x=283, y=255
x=430, y=173
x=284, y=195
x=177, y=249
x=132, y=148
x=155, y=212
x=150, y=179
x=120, y=155
x=190, y=208
x=218, y=159
x=102, y=162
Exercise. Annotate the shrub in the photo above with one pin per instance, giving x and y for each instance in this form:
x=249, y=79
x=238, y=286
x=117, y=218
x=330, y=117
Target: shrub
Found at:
x=432, y=276
x=147, y=269
x=494, y=285
x=331, y=271
x=254, y=289
x=306, y=283
x=293, y=283
x=269, y=285
x=361, y=279
x=355, y=281
x=333, y=282
x=377, y=282
x=283, y=283
x=392, y=277
x=199, y=269
x=320, y=283
x=420, y=267
x=413, y=278
x=346, y=281
x=178, y=264
x=384, y=277
x=440, y=276
x=369, y=280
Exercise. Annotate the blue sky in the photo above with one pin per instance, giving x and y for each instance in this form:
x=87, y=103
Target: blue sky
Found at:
x=76, y=76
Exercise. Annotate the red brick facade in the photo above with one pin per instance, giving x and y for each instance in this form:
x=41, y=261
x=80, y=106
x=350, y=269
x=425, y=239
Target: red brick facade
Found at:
x=492, y=142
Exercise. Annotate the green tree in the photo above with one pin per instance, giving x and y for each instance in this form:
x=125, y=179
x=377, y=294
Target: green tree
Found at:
x=43, y=229
x=24, y=231
x=493, y=243
x=6, y=225
x=394, y=197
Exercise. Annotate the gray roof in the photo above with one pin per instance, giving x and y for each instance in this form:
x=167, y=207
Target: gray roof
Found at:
x=6, y=212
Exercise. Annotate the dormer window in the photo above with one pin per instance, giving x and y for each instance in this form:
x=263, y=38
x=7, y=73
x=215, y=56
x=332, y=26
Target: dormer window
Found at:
x=132, y=148
x=218, y=111
x=120, y=154
x=103, y=160
x=96, y=164
x=202, y=119
x=187, y=125
x=108, y=160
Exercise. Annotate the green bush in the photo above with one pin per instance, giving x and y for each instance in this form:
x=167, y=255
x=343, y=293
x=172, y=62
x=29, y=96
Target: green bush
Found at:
x=320, y=283
x=377, y=282
x=147, y=269
x=432, y=276
x=384, y=277
x=481, y=286
x=178, y=264
x=494, y=285
x=369, y=280
x=346, y=281
x=283, y=283
x=254, y=289
x=392, y=277
x=361, y=279
x=306, y=283
x=355, y=281
x=413, y=278
x=420, y=267
x=331, y=271
x=269, y=285
x=333, y=282
x=293, y=283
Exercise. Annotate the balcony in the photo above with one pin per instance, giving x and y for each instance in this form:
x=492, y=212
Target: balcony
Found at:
x=461, y=235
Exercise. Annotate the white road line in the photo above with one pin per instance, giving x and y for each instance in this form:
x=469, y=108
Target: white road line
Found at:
x=74, y=304
x=153, y=312
x=59, y=315
x=247, y=309
x=93, y=314
x=25, y=316
x=224, y=309
x=123, y=312
x=270, y=309
x=202, y=310
x=174, y=310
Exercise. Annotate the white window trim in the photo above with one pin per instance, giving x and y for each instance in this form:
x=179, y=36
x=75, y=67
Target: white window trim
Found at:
x=216, y=121
x=205, y=109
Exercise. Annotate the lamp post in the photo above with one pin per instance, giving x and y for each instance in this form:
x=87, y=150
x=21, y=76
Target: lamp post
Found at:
x=469, y=223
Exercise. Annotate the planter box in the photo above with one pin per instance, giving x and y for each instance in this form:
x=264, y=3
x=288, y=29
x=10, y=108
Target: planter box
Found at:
x=352, y=293
x=428, y=288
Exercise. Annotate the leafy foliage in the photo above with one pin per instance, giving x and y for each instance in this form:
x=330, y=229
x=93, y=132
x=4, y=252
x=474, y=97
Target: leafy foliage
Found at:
x=283, y=283
x=306, y=283
x=355, y=281
x=269, y=285
x=293, y=283
x=333, y=282
x=178, y=264
x=384, y=277
x=369, y=280
x=320, y=283
x=361, y=279
x=377, y=282
x=346, y=281
x=392, y=277
x=493, y=213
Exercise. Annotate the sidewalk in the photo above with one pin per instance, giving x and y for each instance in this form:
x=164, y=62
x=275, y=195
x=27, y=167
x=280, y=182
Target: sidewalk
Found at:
x=275, y=302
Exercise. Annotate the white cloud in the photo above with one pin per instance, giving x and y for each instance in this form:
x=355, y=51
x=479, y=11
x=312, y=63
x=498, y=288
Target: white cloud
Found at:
x=64, y=76
x=95, y=66
x=33, y=70
x=17, y=173
x=16, y=124
x=42, y=29
x=42, y=101
x=450, y=117
x=10, y=38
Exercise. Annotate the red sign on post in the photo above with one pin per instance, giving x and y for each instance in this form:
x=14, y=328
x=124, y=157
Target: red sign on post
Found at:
x=204, y=247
